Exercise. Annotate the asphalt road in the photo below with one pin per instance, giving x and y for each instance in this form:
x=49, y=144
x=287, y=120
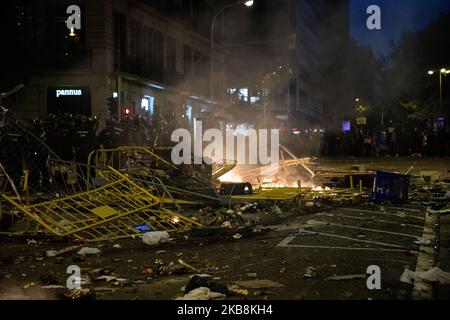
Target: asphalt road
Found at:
x=340, y=241
x=336, y=242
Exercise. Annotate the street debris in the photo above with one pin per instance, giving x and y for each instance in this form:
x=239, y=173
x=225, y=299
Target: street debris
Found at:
x=310, y=273
x=187, y=266
x=87, y=250
x=155, y=237
x=202, y=293
x=434, y=275
x=346, y=277
x=258, y=284
x=237, y=290
x=54, y=253
x=172, y=269
x=110, y=279
x=80, y=294
x=199, y=288
x=423, y=241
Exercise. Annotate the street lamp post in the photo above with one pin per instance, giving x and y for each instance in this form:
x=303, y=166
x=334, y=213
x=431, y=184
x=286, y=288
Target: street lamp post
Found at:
x=213, y=24
x=442, y=72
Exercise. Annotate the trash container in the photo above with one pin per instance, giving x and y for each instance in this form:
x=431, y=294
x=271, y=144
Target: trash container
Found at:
x=390, y=187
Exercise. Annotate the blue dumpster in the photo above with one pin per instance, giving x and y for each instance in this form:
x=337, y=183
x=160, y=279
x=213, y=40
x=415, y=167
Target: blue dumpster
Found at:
x=390, y=187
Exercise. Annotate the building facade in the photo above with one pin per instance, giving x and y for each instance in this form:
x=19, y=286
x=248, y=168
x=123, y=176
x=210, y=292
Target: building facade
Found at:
x=128, y=58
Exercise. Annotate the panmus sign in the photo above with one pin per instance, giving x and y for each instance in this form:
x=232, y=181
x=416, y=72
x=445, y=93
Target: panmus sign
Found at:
x=69, y=92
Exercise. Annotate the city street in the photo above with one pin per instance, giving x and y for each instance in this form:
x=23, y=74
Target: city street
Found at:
x=225, y=150
x=337, y=244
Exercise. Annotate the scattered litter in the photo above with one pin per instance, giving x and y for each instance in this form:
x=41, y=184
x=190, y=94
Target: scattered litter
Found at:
x=117, y=246
x=110, y=278
x=86, y=250
x=276, y=210
x=234, y=289
x=161, y=251
x=237, y=236
x=423, y=241
x=202, y=282
x=310, y=273
x=155, y=237
x=202, y=293
x=31, y=241
x=258, y=284
x=148, y=271
x=346, y=277
x=80, y=294
x=54, y=253
x=252, y=275
x=53, y=286
x=188, y=266
x=29, y=285
x=172, y=269
x=432, y=276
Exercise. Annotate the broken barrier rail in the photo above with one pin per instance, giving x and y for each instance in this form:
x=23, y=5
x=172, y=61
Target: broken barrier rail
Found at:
x=183, y=185
x=118, y=209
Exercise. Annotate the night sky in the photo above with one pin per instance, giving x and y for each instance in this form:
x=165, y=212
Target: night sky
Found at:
x=396, y=16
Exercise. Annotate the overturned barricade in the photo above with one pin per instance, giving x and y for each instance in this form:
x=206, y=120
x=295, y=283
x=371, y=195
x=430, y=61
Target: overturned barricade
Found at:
x=64, y=198
x=151, y=168
x=120, y=208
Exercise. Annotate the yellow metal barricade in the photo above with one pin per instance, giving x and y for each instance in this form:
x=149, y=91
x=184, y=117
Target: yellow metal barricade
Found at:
x=118, y=209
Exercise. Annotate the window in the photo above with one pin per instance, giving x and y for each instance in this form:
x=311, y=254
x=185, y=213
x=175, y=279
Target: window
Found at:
x=148, y=104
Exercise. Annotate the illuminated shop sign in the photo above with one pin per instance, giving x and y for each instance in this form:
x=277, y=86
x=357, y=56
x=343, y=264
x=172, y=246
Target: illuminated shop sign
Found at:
x=70, y=92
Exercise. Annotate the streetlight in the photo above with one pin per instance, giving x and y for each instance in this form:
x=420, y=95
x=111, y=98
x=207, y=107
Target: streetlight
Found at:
x=248, y=3
x=444, y=72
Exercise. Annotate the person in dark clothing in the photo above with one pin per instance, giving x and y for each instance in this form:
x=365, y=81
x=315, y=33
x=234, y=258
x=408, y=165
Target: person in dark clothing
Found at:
x=36, y=158
x=106, y=136
x=61, y=138
x=11, y=149
x=84, y=144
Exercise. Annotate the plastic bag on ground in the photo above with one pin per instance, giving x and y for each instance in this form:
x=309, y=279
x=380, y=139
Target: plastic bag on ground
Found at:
x=155, y=237
x=202, y=293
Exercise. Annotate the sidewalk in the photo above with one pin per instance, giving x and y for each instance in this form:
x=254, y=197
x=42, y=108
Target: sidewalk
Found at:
x=442, y=292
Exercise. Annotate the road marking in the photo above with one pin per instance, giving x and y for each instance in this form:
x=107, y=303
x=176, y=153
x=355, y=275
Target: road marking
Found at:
x=407, y=209
x=290, y=238
x=316, y=222
x=375, y=220
x=425, y=261
x=381, y=213
x=285, y=243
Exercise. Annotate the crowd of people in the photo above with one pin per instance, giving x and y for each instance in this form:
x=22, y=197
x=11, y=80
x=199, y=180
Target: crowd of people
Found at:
x=380, y=142
x=26, y=144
